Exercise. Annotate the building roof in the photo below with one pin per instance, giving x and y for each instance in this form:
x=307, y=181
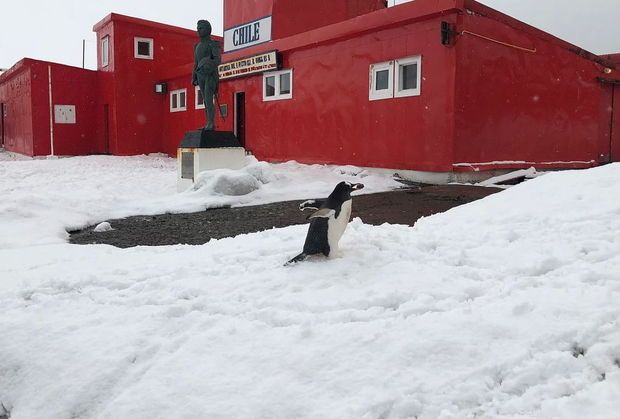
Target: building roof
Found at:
x=399, y=15
x=115, y=17
x=25, y=63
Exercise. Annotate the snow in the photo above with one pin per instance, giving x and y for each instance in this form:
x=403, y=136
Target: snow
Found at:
x=102, y=227
x=496, y=181
x=48, y=197
x=502, y=308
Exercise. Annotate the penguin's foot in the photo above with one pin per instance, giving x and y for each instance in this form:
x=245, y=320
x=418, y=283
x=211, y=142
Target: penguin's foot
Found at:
x=299, y=258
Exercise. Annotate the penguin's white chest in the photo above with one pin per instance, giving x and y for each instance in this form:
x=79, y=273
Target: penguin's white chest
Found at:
x=337, y=225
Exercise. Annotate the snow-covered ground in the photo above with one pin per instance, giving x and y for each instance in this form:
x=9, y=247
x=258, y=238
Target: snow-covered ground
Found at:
x=503, y=308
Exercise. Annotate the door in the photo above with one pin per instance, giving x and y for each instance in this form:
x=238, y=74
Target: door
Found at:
x=106, y=129
x=240, y=117
x=615, y=124
x=2, y=115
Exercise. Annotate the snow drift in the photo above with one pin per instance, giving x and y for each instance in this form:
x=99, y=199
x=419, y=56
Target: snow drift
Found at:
x=503, y=308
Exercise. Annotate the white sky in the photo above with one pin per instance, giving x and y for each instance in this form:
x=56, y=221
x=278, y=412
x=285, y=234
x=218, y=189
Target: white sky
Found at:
x=54, y=30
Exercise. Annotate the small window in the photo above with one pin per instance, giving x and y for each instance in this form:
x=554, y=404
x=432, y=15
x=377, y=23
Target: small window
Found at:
x=278, y=85
x=178, y=100
x=407, y=77
x=381, y=80
x=285, y=83
x=270, y=86
x=105, y=51
x=143, y=48
x=199, y=103
x=398, y=78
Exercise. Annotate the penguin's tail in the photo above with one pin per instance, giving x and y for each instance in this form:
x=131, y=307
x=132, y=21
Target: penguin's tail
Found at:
x=299, y=258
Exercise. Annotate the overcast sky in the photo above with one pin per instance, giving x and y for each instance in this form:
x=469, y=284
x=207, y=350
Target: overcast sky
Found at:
x=53, y=30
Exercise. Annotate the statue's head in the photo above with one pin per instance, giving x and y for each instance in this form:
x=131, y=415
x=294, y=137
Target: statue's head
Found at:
x=203, y=28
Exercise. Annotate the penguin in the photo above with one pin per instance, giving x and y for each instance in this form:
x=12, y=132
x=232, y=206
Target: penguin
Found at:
x=327, y=222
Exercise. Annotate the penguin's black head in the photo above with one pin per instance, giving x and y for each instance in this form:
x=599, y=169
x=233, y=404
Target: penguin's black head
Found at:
x=342, y=191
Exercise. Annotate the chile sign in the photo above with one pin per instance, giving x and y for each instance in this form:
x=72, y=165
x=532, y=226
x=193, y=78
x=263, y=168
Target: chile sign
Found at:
x=247, y=34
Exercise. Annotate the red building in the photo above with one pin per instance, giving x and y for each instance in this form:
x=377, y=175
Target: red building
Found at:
x=433, y=88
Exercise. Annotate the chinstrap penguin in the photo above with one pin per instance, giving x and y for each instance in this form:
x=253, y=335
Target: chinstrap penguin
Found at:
x=328, y=221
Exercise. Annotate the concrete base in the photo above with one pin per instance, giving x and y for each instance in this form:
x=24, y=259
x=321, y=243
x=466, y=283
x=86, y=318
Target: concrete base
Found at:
x=208, y=159
x=207, y=150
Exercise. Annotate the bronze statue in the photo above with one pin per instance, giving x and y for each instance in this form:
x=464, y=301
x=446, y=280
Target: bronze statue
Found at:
x=205, y=75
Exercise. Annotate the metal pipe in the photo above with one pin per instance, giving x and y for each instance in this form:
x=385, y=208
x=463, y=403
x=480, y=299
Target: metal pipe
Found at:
x=49, y=80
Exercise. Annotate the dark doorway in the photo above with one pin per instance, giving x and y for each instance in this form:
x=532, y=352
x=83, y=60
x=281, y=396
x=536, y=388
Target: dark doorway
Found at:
x=106, y=129
x=240, y=117
x=2, y=115
x=615, y=124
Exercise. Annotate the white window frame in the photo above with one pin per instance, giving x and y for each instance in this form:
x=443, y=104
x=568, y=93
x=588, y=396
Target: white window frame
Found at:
x=398, y=92
x=177, y=93
x=394, y=90
x=105, y=51
x=197, y=105
x=135, y=48
x=278, y=95
x=388, y=93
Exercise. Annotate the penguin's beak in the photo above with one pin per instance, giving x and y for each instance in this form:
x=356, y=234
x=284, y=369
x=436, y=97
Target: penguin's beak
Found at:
x=357, y=186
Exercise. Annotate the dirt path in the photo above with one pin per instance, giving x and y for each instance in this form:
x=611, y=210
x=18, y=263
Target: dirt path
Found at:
x=403, y=206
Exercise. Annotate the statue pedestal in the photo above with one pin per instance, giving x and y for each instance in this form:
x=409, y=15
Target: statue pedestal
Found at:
x=202, y=150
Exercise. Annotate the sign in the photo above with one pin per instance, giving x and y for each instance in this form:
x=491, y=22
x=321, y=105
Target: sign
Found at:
x=249, y=65
x=248, y=34
x=64, y=114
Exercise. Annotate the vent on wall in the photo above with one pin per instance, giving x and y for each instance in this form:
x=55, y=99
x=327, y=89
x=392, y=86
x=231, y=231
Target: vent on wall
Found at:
x=187, y=165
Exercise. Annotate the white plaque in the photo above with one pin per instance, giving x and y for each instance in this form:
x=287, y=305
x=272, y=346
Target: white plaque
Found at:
x=249, y=65
x=64, y=114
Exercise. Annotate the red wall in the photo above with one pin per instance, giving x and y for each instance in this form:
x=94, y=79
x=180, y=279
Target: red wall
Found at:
x=135, y=109
x=15, y=93
x=330, y=118
x=295, y=16
x=615, y=138
x=70, y=86
x=291, y=17
x=176, y=124
x=513, y=105
x=237, y=12
x=28, y=116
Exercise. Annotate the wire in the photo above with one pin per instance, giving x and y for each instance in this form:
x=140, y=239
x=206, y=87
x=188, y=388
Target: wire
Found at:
x=498, y=42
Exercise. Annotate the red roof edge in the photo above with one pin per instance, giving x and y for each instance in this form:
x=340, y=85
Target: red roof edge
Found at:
x=115, y=17
x=26, y=63
x=614, y=58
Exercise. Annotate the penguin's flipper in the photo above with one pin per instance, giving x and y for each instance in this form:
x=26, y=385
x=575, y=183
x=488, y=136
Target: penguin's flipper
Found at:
x=299, y=258
x=322, y=213
x=314, y=204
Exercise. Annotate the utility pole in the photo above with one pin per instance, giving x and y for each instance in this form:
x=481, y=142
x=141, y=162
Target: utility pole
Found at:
x=83, y=52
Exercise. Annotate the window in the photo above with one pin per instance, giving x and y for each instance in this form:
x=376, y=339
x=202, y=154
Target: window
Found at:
x=407, y=77
x=381, y=79
x=105, y=51
x=143, y=48
x=278, y=85
x=398, y=78
x=178, y=100
x=199, y=102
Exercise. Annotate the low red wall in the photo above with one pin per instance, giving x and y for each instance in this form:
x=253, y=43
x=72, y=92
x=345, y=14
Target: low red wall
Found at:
x=540, y=107
x=16, y=95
